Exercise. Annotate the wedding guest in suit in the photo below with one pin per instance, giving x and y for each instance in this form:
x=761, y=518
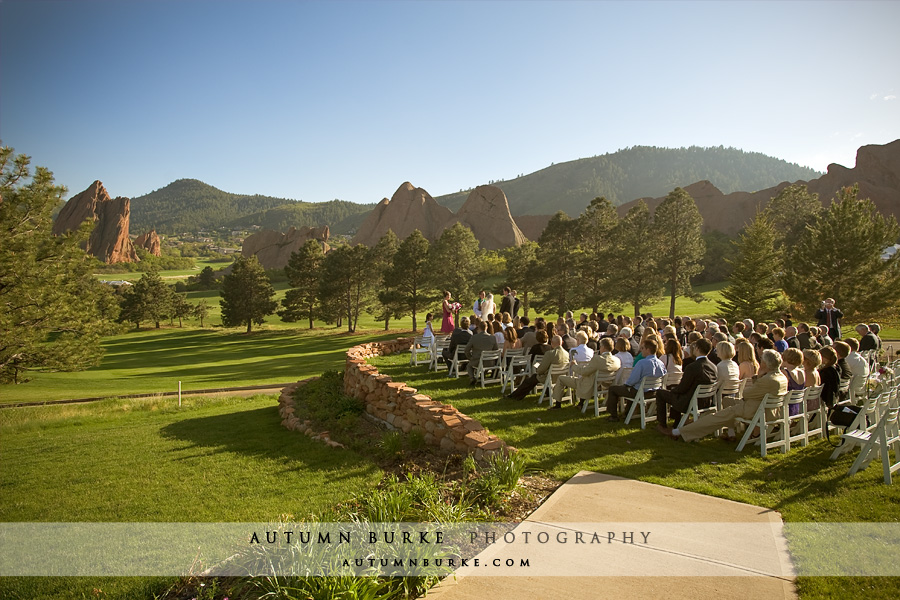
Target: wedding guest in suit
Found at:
x=478, y=343
x=868, y=340
x=506, y=301
x=769, y=381
x=701, y=371
x=460, y=337
x=805, y=338
x=556, y=356
x=582, y=379
x=830, y=316
x=823, y=338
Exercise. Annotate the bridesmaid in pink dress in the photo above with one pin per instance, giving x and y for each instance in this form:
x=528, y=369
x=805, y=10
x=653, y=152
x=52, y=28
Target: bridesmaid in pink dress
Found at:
x=447, y=325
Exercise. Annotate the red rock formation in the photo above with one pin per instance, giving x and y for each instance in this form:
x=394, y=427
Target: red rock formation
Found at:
x=109, y=239
x=877, y=172
x=486, y=213
x=410, y=208
x=150, y=242
x=532, y=226
x=274, y=249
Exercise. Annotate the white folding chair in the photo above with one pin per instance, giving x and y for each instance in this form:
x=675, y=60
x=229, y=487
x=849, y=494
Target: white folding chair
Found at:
x=600, y=391
x=420, y=351
x=641, y=400
x=731, y=391
x=766, y=428
x=883, y=439
x=457, y=365
x=864, y=421
x=517, y=367
x=672, y=379
x=622, y=375
x=704, y=391
x=489, y=369
x=437, y=349
x=816, y=412
x=553, y=374
x=801, y=433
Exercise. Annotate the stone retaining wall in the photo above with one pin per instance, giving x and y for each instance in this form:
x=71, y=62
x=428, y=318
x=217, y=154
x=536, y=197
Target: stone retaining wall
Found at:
x=403, y=408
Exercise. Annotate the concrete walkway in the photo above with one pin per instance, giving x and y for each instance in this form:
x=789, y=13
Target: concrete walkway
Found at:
x=697, y=547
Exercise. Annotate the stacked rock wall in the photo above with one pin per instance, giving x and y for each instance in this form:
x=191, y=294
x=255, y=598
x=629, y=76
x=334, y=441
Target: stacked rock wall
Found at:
x=400, y=407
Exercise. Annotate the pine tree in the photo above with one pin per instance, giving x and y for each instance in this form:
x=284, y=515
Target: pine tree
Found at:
x=408, y=277
x=348, y=283
x=678, y=224
x=790, y=211
x=557, y=266
x=595, y=254
x=840, y=256
x=755, y=282
x=521, y=262
x=303, y=271
x=149, y=299
x=247, y=294
x=49, y=303
x=383, y=259
x=636, y=279
x=453, y=262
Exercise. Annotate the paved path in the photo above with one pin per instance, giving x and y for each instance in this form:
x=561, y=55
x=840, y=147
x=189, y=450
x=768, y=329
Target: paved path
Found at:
x=731, y=550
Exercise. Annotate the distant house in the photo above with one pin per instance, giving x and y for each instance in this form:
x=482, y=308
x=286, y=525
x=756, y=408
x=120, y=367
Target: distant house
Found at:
x=116, y=282
x=890, y=251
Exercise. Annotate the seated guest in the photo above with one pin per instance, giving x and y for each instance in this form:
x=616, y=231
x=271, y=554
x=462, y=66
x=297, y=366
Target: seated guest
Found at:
x=556, y=356
x=505, y=320
x=691, y=338
x=778, y=337
x=823, y=338
x=727, y=371
x=581, y=352
x=540, y=346
x=529, y=337
x=859, y=368
x=875, y=328
x=746, y=360
x=867, y=340
x=811, y=361
x=460, y=337
x=633, y=346
x=830, y=377
x=562, y=330
x=805, y=338
x=612, y=331
x=790, y=336
x=497, y=329
x=582, y=379
x=510, y=340
x=843, y=350
x=621, y=349
x=649, y=367
x=738, y=329
x=673, y=357
x=717, y=337
x=524, y=327
x=477, y=344
x=791, y=361
x=701, y=371
x=593, y=338
x=769, y=381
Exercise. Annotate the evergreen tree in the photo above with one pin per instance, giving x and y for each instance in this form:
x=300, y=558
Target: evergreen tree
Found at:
x=840, y=256
x=49, y=303
x=678, y=223
x=207, y=278
x=408, y=279
x=348, y=283
x=383, y=259
x=790, y=211
x=149, y=299
x=453, y=262
x=636, y=279
x=557, y=266
x=521, y=262
x=304, y=269
x=755, y=282
x=247, y=294
x=595, y=257
x=201, y=310
x=181, y=308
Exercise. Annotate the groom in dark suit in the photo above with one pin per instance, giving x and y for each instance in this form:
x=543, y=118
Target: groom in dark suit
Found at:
x=701, y=371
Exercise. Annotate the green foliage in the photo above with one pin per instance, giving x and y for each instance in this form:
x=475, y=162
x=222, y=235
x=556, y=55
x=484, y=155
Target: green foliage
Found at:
x=207, y=278
x=521, y=269
x=678, y=223
x=51, y=309
x=596, y=253
x=636, y=280
x=304, y=269
x=453, y=262
x=149, y=299
x=790, y=211
x=638, y=172
x=717, y=259
x=839, y=256
x=407, y=282
x=557, y=267
x=246, y=294
x=346, y=288
x=755, y=284
x=383, y=259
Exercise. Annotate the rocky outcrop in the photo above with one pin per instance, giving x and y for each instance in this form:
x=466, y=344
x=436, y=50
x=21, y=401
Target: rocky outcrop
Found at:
x=109, y=239
x=485, y=212
x=274, y=248
x=877, y=172
x=150, y=242
x=532, y=226
x=410, y=208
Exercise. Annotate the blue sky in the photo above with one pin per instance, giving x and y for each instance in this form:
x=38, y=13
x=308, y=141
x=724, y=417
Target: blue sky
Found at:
x=323, y=100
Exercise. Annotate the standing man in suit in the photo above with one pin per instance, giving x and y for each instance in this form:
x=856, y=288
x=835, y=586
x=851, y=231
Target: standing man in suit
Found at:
x=555, y=357
x=516, y=304
x=701, y=371
x=830, y=316
x=506, y=303
x=770, y=380
x=603, y=363
x=479, y=342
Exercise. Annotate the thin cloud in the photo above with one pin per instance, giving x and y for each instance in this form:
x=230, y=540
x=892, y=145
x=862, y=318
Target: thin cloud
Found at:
x=873, y=96
x=891, y=97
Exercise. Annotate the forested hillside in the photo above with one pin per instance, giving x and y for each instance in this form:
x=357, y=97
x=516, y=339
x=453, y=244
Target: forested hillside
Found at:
x=637, y=172
x=340, y=216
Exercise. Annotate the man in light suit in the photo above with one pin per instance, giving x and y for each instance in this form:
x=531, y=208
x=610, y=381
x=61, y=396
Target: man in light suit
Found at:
x=479, y=342
x=556, y=356
x=603, y=363
x=830, y=316
x=769, y=380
